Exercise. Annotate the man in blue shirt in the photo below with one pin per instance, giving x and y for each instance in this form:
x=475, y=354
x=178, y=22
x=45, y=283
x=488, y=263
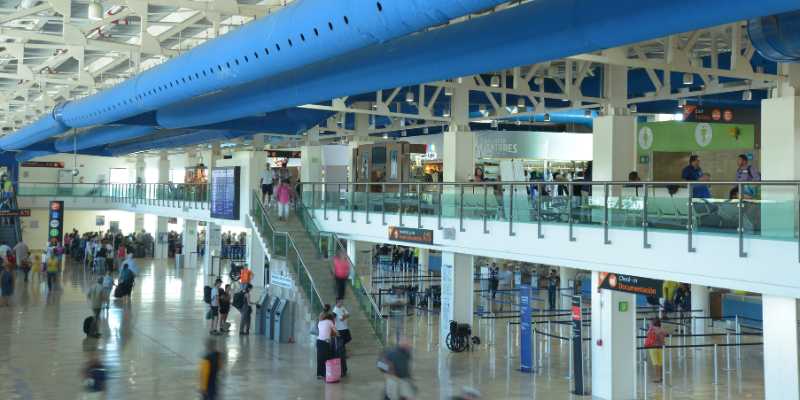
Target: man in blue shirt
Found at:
x=555, y=280
x=692, y=172
x=702, y=191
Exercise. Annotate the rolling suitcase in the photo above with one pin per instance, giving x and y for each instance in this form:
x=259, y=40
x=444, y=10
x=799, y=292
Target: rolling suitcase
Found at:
x=87, y=324
x=140, y=252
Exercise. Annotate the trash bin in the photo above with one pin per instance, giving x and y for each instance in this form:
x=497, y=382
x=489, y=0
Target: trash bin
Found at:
x=179, y=260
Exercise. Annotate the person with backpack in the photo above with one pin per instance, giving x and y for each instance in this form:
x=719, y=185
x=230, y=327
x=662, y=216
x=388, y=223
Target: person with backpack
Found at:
x=210, y=366
x=97, y=294
x=224, y=307
x=125, y=284
x=745, y=171
x=215, y=295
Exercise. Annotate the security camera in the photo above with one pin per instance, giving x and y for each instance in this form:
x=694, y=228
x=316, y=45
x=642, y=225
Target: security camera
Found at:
x=75, y=172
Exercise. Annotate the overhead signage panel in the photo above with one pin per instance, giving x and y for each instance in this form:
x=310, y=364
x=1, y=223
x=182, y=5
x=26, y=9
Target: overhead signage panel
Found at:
x=39, y=164
x=631, y=284
x=722, y=115
x=16, y=213
x=411, y=235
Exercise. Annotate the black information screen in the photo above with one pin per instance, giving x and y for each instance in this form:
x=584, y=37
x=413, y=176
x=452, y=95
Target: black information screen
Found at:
x=225, y=192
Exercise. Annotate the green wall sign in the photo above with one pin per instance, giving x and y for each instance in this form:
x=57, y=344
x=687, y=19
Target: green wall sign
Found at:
x=674, y=136
x=623, y=306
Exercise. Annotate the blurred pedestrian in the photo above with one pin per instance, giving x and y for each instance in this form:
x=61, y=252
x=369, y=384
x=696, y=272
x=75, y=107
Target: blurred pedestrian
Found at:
x=7, y=282
x=244, y=323
x=25, y=264
x=95, y=375
x=108, y=283
x=98, y=295
x=224, y=308
x=341, y=270
x=399, y=384
x=125, y=284
x=210, y=365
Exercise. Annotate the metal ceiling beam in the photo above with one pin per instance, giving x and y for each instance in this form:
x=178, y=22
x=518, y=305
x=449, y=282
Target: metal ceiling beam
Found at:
x=25, y=13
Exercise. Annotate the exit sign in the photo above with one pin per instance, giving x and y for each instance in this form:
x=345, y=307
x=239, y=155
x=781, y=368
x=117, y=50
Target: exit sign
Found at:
x=623, y=306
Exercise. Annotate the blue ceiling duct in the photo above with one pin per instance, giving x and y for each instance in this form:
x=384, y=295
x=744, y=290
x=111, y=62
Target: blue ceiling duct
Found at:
x=777, y=37
x=42, y=128
x=300, y=34
x=101, y=135
x=481, y=44
x=24, y=156
x=160, y=141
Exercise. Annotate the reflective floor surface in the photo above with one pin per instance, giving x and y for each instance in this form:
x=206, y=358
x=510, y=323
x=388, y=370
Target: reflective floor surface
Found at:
x=151, y=351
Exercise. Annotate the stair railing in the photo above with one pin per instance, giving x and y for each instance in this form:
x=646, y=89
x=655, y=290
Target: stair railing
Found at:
x=286, y=247
x=325, y=247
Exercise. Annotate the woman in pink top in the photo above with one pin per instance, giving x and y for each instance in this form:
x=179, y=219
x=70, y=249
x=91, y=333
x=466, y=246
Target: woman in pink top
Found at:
x=655, y=352
x=326, y=327
x=341, y=269
x=282, y=194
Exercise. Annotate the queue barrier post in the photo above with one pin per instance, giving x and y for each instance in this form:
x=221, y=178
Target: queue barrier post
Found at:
x=508, y=340
x=549, y=339
x=716, y=378
x=728, y=351
x=664, y=383
x=571, y=366
x=670, y=356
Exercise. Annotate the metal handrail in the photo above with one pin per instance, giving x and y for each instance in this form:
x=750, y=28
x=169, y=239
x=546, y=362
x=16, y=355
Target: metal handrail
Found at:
x=289, y=235
x=336, y=239
x=572, y=183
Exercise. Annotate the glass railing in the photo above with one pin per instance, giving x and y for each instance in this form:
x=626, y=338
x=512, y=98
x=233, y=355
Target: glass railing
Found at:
x=284, y=246
x=736, y=209
x=191, y=195
x=329, y=245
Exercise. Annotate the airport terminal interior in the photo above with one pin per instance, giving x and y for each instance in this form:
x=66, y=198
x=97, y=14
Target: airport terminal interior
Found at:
x=431, y=199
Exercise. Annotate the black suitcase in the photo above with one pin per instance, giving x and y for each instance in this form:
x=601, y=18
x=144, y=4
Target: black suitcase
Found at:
x=87, y=324
x=341, y=353
x=140, y=252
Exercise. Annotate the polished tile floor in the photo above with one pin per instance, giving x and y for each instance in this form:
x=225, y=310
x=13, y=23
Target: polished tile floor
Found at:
x=151, y=352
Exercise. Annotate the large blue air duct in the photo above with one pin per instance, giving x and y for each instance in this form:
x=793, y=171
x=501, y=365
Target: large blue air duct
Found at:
x=489, y=43
x=300, y=34
x=43, y=128
x=101, y=135
x=777, y=37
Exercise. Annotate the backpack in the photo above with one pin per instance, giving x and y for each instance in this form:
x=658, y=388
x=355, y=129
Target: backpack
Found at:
x=238, y=300
x=207, y=294
x=127, y=275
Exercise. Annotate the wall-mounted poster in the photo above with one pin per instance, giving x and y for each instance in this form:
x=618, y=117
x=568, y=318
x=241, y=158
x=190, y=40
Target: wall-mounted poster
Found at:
x=172, y=220
x=114, y=226
x=365, y=166
x=100, y=220
x=393, y=165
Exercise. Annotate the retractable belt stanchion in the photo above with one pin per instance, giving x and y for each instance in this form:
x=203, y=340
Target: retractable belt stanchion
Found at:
x=508, y=340
x=571, y=366
x=549, y=339
x=663, y=353
x=728, y=352
x=670, y=356
x=716, y=378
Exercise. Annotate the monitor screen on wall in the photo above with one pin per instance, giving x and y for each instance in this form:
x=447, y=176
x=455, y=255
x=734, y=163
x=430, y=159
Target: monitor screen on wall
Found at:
x=378, y=157
x=225, y=192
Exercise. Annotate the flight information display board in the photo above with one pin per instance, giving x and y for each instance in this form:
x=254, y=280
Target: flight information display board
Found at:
x=225, y=192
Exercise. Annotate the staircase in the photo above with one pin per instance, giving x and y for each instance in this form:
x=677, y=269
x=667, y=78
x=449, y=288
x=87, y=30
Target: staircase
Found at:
x=362, y=319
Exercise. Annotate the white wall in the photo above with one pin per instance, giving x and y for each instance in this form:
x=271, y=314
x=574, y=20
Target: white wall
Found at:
x=91, y=168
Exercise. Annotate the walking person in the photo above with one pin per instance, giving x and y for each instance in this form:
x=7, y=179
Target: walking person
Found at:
x=108, y=283
x=224, y=307
x=210, y=366
x=101, y=259
x=215, y=306
x=282, y=195
x=397, y=308
x=340, y=322
x=655, y=353
x=506, y=281
x=7, y=282
x=52, y=268
x=59, y=252
x=125, y=284
x=398, y=383
x=25, y=264
x=244, y=323
x=555, y=280
x=341, y=270
x=266, y=181
x=493, y=271
x=98, y=295
x=20, y=250
x=325, y=327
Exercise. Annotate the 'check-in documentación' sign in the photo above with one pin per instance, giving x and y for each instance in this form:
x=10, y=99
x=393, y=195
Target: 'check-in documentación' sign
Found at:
x=631, y=284
x=412, y=235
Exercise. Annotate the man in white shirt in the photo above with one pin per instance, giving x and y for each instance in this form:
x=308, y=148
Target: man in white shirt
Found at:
x=215, y=306
x=267, y=178
x=340, y=322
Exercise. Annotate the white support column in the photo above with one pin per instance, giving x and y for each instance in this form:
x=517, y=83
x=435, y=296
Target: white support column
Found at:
x=216, y=154
x=459, y=142
x=423, y=262
x=700, y=302
x=258, y=142
x=565, y=302
x=311, y=165
x=780, y=155
x=780, y=347
x=361, y=137
x=614, y=361
x=161, y=252
x=212, y=251
x=190, y=233
x=255, y=258
x=457, y=291
x=614, y=144
x=191, y=158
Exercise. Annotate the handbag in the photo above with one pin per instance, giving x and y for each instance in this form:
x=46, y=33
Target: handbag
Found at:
x=208, y=314
x=651, y=340
x=315, y=330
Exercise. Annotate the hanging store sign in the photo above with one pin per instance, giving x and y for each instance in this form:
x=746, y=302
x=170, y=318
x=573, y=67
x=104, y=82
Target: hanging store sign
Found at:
x=38, y=164
x=721, y=115
x=16, y=213
x=675, y=136
x=283, y=154
x=631, y=284
x=411, y=235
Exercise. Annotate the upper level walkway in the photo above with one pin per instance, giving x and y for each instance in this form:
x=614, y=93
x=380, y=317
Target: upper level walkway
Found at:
x=638, y=230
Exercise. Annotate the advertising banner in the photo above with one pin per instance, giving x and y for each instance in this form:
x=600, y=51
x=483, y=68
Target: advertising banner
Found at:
x=526, y=352
x=675, y=136
x=577, y=346
x=411, y=235
x=56, y=225
x=631, y=284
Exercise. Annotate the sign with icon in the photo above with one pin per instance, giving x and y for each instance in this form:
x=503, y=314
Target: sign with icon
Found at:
x=631, y=284
x=412, y=235
x=56, y=221
x=16, y=213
